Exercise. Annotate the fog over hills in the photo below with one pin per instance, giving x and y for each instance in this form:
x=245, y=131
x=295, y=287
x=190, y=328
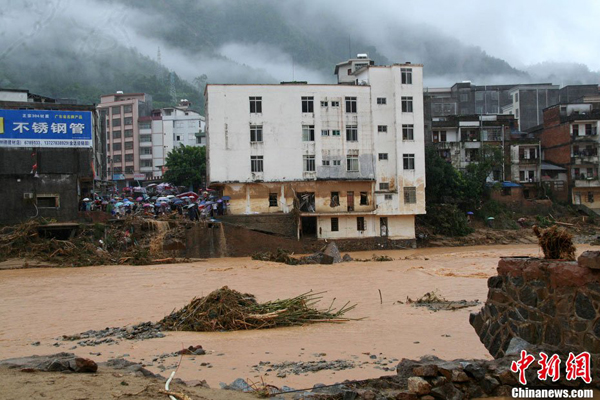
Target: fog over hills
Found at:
x=84, y=48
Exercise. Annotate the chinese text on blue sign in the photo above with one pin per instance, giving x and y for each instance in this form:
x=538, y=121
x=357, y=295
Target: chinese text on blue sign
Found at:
x=45, y=128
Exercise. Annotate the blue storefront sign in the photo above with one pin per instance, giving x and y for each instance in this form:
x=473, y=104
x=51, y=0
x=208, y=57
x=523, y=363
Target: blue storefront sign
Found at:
x=118, y=177
x=45, y=128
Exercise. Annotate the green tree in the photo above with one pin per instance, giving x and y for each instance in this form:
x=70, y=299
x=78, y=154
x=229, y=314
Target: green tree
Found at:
x=443, y=181
x=186, y=166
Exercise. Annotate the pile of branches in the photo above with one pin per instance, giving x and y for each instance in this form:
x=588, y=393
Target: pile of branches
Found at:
x=91, y=245
x=281, y=256
x=229, y=310
x=556, y=243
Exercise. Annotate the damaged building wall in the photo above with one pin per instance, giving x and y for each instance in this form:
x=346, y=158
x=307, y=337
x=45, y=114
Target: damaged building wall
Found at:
x=342, y=149
x=349, y=227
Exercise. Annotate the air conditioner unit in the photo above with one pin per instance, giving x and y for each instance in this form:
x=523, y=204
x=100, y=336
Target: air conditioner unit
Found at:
x=27, y=196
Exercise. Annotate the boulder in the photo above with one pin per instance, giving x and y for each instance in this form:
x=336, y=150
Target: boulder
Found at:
x=589, y=259
x=333, y=251
x=418, y=385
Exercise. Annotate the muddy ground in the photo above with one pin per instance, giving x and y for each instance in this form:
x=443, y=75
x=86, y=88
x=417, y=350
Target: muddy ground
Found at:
x=41, y=305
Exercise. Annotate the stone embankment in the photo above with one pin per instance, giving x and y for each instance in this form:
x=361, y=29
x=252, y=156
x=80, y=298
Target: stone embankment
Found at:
x=551, y=303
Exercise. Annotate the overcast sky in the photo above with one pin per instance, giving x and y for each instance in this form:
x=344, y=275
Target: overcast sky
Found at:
x=521, y=32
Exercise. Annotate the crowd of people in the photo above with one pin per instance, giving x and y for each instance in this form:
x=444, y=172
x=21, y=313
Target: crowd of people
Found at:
x=156, y=200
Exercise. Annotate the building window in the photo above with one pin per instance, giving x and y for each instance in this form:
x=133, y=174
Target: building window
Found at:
x=408, y=132
x=309, y=163
x=129, y=170
x=443, y=136
x=381, y=100
x=255, y=105
x=590, y=197
x=325, y=163
x=382, y=128
x=575, y=130
x=517, y=113
x=116, y=146
x=360, y=223
x=335, y=199
x=117, y=159
x=409, y=161
x=116, y=122
x=406, y=76
x=352, y=161
x=350, y=105
x=128, y=121
x=128, y=145
x=145, y=138
x=47, y=201
x=516, y=97
x=127, y=109
x=410, y=195
x=256, y=133
x=324, y=132
x=308, y=133
x=407, y=104
x=146, y=150
x=384, y=186
x=335, y=104
x=116, y=110
x=146, y=163
x=323, y=104
x=128, y=132
x=383, y=156
x=178, y=138
x=364, y=199
x=272, y=199
x=352, y=133
x=256, y=163
x=128, y=157
x=308, y=104
x=117, y=170
x=337, y=162
x=145, y=125
x=116, y=134
x=335, y=225
x=588, y=129
x=335, y=132
x=388, y=197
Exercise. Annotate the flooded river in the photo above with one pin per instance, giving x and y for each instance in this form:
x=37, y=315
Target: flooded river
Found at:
x=43, y=304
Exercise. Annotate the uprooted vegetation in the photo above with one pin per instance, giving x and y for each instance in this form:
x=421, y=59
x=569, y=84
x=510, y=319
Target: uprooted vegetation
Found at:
x=127, y=241
x=229, y=310
x=434, y=301
x=556, y=243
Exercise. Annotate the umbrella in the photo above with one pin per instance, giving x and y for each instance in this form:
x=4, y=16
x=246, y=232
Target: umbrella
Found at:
x=147, y=205
x=209, y=202
x=119, y=204
x=491, y=218
x=105, y=202
x=170, y=196
x=469, y=212
x=178, y=202
x=219, y=201
x=226, y=198
x=162, y=199
x=86, y=199
x=139, y=199
x=113, y=201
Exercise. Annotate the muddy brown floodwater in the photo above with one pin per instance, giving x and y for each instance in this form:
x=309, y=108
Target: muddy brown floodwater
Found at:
x=43, y=304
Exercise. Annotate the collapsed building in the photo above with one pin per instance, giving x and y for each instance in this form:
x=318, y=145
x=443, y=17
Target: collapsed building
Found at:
x=346, y=158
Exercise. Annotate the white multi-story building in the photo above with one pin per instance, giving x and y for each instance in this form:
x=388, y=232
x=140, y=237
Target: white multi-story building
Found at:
x=349, y=157
x=139, y=138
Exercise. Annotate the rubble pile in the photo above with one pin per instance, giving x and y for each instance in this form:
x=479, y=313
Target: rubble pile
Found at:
x=556, y=243
x=145, y=330
x=330, y=254
x=126, y=241
x=229, y=310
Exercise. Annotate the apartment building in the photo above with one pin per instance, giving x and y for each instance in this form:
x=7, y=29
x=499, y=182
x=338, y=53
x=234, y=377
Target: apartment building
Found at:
x=570, y=140
x=348, y=158
x=139, y=138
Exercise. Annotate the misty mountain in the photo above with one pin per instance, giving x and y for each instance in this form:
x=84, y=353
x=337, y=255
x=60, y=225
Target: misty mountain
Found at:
x=84, y=48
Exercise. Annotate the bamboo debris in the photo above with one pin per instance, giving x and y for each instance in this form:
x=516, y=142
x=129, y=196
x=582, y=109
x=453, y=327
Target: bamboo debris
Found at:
x=228, y=310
